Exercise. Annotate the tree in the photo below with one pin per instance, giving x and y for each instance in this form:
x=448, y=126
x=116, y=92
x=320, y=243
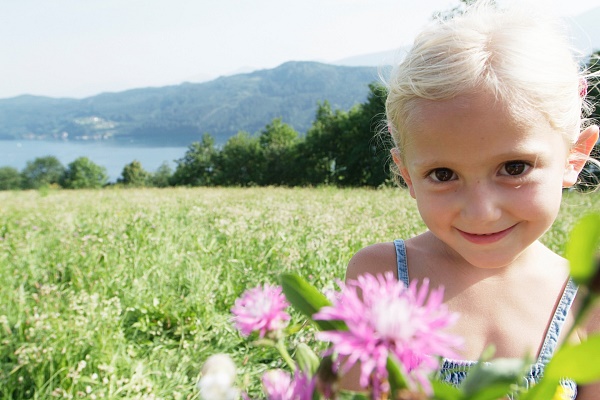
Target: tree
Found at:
x=42, y=171
x=162, y=176
x=241, y=161
x=365, y=143
x=83, y=174
x=456, y=10
x=277, y=143
x=589, y=178
x=277, y=135
x=593, y=93
x=134, y=175
x=10, y=179
x=321, y=148
x=345, y=148
x=196, y=168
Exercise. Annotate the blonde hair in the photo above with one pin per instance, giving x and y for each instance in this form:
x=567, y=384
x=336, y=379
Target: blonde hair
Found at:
x=523, y=59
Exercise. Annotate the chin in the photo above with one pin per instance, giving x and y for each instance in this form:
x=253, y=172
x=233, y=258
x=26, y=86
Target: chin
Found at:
x=491, y=260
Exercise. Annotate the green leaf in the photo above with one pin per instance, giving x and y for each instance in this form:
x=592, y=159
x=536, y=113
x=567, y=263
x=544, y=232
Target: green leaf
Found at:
x=395, y=376
x=500, y=375
x=578, y=362
x=445, y=391
x=488, y=353
x=581, y=247
x=308, y=300
x=494, y=391
x=543, y=390
x=306, y=358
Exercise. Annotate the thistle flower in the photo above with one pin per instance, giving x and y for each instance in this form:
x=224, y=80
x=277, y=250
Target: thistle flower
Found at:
x=260, y=309
x=389, y=319
x=279, y=385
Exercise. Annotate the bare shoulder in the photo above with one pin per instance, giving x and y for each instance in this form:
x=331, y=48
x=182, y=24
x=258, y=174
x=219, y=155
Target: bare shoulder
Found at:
x=375, y=259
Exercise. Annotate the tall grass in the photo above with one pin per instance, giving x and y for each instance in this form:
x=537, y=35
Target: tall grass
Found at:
x=124, y=293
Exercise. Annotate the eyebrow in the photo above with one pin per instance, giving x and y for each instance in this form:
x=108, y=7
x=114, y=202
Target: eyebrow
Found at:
x=523, y=153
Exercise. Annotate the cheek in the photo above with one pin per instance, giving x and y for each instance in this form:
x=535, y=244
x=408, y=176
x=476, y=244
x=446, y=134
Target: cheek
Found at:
x=434, y=209
x=539, y=200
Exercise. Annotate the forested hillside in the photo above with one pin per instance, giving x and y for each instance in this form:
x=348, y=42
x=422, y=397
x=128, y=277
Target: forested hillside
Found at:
x=179, y=115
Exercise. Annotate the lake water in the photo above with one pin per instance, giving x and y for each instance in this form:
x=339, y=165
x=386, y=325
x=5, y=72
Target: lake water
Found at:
x=16, y=153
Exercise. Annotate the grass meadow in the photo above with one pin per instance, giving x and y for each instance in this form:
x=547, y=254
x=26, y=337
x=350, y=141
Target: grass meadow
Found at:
x=124, y=293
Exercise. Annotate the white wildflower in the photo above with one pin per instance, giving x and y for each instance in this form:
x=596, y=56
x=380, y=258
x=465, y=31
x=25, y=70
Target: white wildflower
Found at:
x=217, y=379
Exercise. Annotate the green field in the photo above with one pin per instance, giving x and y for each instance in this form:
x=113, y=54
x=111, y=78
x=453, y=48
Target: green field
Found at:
x=124, y=293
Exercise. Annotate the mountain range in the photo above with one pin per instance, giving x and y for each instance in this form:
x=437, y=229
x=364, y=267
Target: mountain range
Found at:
x=178, y=115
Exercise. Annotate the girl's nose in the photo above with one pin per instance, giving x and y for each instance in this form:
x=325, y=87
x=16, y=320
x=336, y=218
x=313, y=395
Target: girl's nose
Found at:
x=481, y=203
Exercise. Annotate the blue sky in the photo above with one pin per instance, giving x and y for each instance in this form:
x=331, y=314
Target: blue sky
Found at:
x=78, y=48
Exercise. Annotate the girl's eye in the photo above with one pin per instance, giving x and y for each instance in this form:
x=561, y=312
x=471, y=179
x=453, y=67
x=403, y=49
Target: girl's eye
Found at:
x=514, y=168
x=442, y=175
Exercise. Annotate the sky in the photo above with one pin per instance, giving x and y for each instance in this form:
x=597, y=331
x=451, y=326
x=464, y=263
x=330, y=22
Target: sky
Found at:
x=79, y=48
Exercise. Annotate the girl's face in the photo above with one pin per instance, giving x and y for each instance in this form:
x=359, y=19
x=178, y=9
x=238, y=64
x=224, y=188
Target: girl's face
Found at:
x=486, y=185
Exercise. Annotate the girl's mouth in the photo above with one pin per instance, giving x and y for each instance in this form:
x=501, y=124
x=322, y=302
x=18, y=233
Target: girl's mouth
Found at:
x=485, y=238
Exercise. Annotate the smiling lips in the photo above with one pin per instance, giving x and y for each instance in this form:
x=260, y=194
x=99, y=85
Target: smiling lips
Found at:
x=485, y=238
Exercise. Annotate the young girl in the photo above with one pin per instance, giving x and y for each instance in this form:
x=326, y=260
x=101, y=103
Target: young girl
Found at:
x=485, y=115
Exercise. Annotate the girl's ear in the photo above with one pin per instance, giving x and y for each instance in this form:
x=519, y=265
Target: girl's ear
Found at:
x=580, y=153
x=403, y=170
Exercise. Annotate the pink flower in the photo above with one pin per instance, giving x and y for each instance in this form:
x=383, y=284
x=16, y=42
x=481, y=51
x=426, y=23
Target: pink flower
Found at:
x=260, y=309
x=389, y=319
x=279, y=385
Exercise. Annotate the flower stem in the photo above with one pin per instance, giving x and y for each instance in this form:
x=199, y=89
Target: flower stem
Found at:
x=280, y=345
